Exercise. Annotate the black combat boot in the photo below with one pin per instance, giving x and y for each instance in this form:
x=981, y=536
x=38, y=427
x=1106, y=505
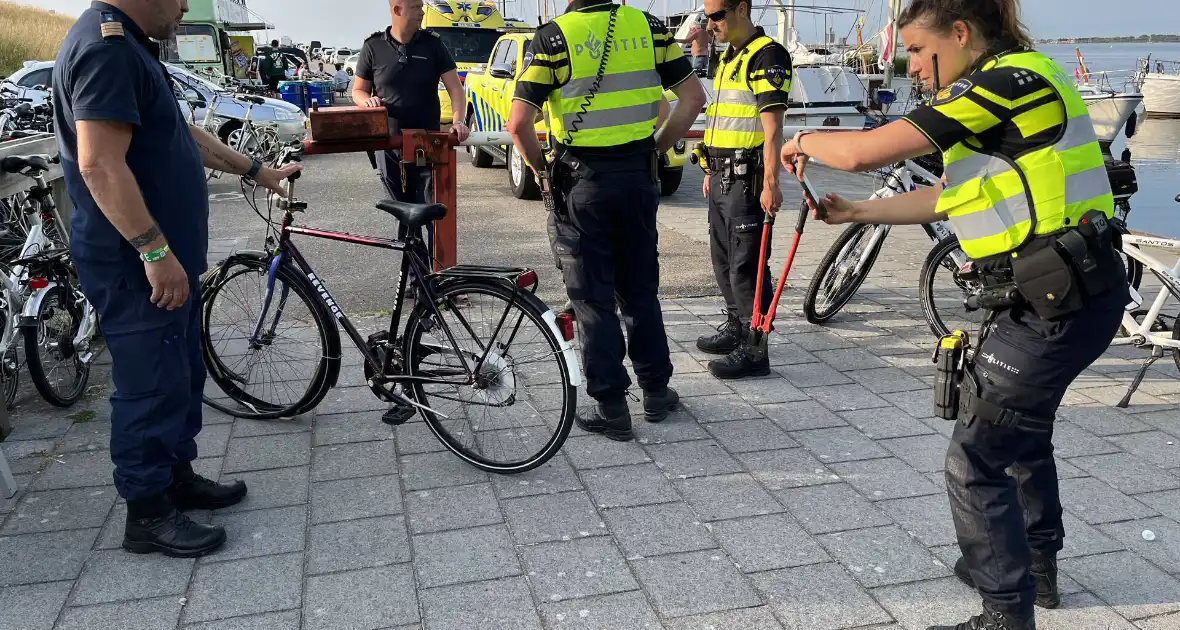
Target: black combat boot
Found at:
x=657, y=403
x=154, y=525
x=190, y=491
x=744, y=361
x=611, y=419
x=728, y=337
x=1044, y=572
x=993, y=620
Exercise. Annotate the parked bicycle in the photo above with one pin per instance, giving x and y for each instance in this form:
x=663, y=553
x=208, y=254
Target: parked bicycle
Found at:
x=476, y=346
x=251, y=138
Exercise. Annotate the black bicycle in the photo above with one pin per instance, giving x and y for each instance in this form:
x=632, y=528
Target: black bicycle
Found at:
x=486, y=362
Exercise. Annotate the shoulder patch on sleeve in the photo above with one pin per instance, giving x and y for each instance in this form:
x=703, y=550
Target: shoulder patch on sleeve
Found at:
x=952, y=91
x=528, y=61
x=654, y=21
x=776, y=75
x=432, y=32
x=111, y=27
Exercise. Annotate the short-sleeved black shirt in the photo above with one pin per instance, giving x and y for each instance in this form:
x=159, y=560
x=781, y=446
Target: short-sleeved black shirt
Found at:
x=406, y=76
x=119, y=78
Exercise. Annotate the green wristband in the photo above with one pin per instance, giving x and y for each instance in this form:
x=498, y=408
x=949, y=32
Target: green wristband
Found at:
x=155, y=254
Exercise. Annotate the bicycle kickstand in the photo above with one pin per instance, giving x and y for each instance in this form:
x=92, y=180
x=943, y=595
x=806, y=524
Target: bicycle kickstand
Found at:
x=761, y=324
x=1156, y=353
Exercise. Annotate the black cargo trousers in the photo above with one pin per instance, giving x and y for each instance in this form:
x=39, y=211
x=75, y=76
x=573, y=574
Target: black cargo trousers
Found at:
x=735, y=242
x=605, y=240
x=1025, y=364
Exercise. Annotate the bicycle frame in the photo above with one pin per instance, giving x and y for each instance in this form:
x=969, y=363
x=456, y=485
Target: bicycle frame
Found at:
x=1141, y=334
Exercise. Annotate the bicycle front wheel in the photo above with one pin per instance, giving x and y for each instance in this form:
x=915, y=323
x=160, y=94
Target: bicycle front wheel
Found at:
x=942, y=291
x=841, y=271
x=517, y=410
x=57, y=371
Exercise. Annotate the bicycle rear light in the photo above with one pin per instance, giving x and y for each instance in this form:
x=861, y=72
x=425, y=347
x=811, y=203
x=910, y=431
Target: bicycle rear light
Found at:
x=565, y=323
x=526, y=279
x=38, y=283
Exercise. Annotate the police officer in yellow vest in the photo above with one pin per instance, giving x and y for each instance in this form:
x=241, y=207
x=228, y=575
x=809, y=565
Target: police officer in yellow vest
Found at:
x=600, y=70
x=1028, y=196
x=743, y=135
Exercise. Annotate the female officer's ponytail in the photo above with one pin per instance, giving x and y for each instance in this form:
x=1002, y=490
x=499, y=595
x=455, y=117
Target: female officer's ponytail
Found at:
x=997, y=22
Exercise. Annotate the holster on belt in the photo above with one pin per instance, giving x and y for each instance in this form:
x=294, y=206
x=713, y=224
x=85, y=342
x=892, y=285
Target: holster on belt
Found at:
x=971, y=406
x=743, y=165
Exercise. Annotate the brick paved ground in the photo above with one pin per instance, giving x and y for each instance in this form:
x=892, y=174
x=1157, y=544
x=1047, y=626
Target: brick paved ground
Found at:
x=809, y=500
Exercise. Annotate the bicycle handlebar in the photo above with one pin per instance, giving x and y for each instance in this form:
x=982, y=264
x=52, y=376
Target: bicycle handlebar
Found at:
x=250, y=98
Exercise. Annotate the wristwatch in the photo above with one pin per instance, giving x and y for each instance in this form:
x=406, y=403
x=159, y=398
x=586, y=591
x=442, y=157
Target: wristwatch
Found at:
x=255, y=166
x=799, y=138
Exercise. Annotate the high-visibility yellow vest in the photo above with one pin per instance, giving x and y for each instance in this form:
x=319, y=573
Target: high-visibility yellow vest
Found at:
x=732, y=120
x=626, y=104
x=996, y=203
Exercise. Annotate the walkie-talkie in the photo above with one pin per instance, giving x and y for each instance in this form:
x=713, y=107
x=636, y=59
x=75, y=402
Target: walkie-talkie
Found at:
x=937, y=87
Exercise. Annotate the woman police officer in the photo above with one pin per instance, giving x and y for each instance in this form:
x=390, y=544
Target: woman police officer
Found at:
x=1026, y=190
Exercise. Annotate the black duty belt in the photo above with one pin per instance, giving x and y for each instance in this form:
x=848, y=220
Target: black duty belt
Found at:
x=971, y=405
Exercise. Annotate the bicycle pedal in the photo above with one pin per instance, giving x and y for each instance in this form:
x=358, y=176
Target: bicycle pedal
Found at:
x=398, y=415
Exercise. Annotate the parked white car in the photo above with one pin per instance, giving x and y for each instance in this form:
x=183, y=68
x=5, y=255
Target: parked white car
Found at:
x=326, y=53
x=350, y=64
x=341, y=55
x=31, y=81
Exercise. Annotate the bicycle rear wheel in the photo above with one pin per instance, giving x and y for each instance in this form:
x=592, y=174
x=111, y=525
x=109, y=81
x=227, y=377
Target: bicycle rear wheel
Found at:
x=275, y=359
x=57, y=371
x=519, y=410
x=841, y=273
x=942, y=291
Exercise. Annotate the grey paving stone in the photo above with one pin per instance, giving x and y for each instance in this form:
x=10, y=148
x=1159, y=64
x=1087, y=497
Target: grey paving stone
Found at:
x=1072, y=441
x=812, y=375
x=817, y=342
x=1085, y=540
x=916, y=365
x=254, y=428
x=727, y=496
x=351, y=427
x=49, y=425
x=920, y=604
x=595, y=451
x=886, y=380
x=346, y=400
x=357, y=544
x=693, y=459
x=694, y=583
x=272, y=488
x=1163, y=551
x=213, y=440
x=818, y=597
x=924, y=453
x=116, y=575
x=790, y=354
x=54, y=510
x=627, y=486
x=679, y=426
x=262, y=532
x=496, y=604
x=547, y=518
x=452, y=508
x=916, y=403
x=32, y=607
x=93, y=435
x=243, y=587
x=77, y=470
x=890, y=345
x=768, y=542
x=1128, y=473
x=841, y=444
x=552, y=477
x=767, y=391
x=653, y=530
x=846, y=397
x=434, y=470
x=760, y=618
x=850, y=358
x=1095, y=502
x=347, y=499
x=926, y=518
x=879, y=479
x=885, y=423
x=151, y=614
x=465, y=555
x=1102, y=420
x=699, y=384
x=745, y=436
x=606, y=612
x=882, y=555
x=1110, y=392
x=288, y=620
x=362, y=459
x=415, y=437
x=1082, y=611
x=1163, y=622
x=719, y=408
x=365, y=598
x=576, y=568
x=1133, y=587
x=1167, y=503
x=28, y=457
x=802, y=416
x=271, y=451
x=1066, y=470
x=831, y=508
x=1156, y=447
x=787, y=468
x=1166, y=421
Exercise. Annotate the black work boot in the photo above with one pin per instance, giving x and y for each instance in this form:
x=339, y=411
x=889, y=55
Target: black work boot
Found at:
x=611, y=419
x=993, y=620
x=154, y=525
x=657, y=403
x=1044, y=572
x=728, y=337
x=190, y=491
x=744, y=361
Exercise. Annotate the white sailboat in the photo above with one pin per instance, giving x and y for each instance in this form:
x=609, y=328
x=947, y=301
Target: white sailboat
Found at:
x=1111, y=110
x=1159, y=81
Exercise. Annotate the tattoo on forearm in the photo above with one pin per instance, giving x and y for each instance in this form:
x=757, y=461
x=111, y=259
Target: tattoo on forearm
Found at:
x=214, y=161
x=146, y=238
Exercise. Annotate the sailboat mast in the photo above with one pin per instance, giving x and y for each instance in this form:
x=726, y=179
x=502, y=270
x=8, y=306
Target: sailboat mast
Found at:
x=891, y=27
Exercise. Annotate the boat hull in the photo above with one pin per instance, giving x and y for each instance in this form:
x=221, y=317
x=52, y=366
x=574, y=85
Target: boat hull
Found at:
x=1110, y=112
x=1161, y=94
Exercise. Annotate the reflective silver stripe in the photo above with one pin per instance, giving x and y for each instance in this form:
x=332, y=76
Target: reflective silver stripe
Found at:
x=1078, y=132
x=1004, y=214
x=973, y=166
x=731, y=123
x=736, y=97
x=621, y=82
x=615, y=117
x=1087, y=185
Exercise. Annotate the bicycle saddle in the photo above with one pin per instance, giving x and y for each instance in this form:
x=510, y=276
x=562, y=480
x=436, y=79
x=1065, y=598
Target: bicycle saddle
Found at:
x=413, y=215
x=18, y=163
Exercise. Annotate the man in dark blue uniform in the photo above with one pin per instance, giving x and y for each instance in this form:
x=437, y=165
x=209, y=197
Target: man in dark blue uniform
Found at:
x=135, y=171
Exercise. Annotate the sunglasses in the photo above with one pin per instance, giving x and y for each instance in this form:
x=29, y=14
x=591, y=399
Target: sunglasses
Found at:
x=717, y=16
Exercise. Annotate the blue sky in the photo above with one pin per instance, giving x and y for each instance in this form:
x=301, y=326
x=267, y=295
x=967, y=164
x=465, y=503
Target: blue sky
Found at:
x=347, y=22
